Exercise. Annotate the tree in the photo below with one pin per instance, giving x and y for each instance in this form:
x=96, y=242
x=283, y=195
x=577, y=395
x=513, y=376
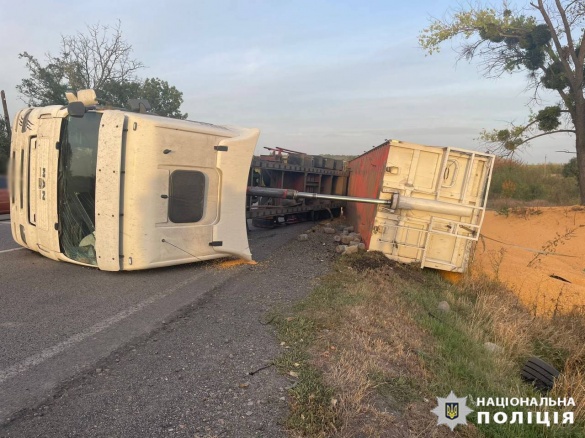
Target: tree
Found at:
x=164, y=98
x=100, y=59
x=544, y=40
x=46, y=85
x=4, y=146
x=570, y=169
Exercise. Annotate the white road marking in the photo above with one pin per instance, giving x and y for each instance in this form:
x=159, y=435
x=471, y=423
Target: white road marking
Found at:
x=37, y=359
x=11, y=249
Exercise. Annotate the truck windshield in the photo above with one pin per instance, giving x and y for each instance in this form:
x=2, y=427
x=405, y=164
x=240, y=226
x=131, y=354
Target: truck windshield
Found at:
x=76, y=187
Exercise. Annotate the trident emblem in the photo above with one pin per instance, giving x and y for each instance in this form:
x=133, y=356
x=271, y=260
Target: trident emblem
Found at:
x=452, y=410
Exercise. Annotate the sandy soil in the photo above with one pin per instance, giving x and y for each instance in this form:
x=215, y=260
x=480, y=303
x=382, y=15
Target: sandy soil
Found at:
x=539, y=253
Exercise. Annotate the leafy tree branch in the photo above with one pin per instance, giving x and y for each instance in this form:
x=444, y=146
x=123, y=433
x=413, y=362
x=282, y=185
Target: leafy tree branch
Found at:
x=100, y=59
x=546, y=41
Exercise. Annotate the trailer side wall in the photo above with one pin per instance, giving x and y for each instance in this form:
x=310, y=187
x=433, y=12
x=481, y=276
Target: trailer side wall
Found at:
x=366, y=179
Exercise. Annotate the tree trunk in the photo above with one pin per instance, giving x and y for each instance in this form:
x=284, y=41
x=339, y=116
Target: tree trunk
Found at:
x=581, y=165
x=579, y=122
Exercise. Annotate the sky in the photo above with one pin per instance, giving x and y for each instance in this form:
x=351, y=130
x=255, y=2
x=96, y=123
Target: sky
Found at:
x=321, y=77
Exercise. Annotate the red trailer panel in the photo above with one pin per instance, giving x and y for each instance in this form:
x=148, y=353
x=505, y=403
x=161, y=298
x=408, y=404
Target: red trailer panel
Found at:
x=366, y=179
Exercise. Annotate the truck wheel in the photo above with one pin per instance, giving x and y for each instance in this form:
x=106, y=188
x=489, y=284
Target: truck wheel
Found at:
x=540, y=373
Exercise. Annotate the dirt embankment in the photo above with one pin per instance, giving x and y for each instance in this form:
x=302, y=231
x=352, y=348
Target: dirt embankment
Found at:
x=539, y=253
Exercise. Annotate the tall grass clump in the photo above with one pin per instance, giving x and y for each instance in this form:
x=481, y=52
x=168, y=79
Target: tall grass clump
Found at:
x=514, y=182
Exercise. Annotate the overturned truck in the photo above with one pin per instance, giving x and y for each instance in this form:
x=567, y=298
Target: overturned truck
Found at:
x=127, y=190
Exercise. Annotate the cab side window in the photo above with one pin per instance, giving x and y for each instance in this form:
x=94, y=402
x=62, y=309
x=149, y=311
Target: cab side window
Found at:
x=187, y=196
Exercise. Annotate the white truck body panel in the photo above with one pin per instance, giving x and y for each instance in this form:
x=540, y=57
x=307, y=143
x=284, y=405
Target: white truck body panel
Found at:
x=108, y=180
x=137, y=156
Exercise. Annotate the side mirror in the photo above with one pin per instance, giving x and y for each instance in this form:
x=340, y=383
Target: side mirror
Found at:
x=76, y=109
x=139, y=105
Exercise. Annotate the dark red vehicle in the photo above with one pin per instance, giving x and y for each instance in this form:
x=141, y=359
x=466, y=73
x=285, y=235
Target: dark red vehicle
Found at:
x=4, y=196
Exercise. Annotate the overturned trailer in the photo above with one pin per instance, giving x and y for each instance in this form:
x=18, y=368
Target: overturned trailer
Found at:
x=444, y=194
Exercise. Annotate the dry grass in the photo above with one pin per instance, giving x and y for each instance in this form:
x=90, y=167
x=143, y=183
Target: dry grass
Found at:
x=516, y=204
x=571, y=383
x=378, y=352
x=375, y=364
x=496, y=315
x=369, y=352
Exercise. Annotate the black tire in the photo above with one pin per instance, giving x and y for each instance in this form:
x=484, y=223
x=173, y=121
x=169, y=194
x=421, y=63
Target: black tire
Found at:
x=540, y=373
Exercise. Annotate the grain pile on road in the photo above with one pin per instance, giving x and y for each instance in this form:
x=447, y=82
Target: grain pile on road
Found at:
x=539, y=254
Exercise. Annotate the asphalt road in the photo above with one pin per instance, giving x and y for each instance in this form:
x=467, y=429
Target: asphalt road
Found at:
x=6, y=242
x=66, y=329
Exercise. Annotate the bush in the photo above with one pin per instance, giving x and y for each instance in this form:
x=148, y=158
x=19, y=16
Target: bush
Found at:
x=571, y=168
x=547, y=183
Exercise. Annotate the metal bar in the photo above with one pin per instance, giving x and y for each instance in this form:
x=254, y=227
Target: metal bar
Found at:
x=344, y=198
x=433, y=206
x=395, y=201
x=458, y=236
x=445, y=160
x=256, y=162
x=428, y=233
x=293, y=194
x=468, y=170
x=288, y=151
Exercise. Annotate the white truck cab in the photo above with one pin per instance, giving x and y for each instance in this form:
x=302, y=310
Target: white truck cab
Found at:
x=121, y=190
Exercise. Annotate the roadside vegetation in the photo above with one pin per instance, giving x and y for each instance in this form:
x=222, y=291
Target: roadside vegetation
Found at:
x=516, y=184
x=369, y=351
x=535, y=39
x=4, y=146
x=339, y=157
